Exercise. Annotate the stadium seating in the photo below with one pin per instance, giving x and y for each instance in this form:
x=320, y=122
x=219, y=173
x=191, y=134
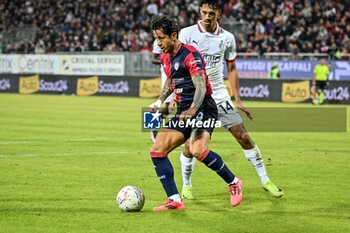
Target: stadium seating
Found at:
x=294, y=26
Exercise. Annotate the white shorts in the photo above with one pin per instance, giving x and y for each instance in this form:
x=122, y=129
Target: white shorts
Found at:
x=228, y=114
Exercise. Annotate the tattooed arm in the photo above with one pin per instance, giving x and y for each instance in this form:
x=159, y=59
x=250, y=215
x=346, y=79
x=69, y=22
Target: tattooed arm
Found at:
x=166, y=91
x=199, y=82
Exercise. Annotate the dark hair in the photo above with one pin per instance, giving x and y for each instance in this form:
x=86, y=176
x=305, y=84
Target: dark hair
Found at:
x=215, y=4
x=166, y=24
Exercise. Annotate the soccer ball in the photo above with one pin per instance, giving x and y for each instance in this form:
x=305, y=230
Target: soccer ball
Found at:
x=130, y=199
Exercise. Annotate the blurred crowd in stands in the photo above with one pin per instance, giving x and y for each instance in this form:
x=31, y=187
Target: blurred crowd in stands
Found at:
x=295, y=26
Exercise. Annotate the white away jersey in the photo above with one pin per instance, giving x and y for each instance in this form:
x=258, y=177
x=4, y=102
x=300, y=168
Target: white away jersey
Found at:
x=158, y=50
x=215, y=48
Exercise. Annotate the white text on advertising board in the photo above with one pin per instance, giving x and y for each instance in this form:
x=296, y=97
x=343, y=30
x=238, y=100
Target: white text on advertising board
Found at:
x=57, y=86
x=257, y=91
x=6, y=64
x=92, y=65
x=116, y=87
x=36, y=64
x=338, y=93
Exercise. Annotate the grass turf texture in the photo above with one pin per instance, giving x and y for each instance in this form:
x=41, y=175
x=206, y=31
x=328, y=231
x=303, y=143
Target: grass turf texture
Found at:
x=63, y=159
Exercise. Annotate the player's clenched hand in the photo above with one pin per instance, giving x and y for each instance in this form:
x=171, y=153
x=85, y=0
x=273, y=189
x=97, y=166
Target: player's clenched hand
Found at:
x=188, y=114
x=155, y=106
x=241, y=107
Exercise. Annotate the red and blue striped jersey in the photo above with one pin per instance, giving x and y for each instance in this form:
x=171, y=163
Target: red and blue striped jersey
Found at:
x=180, y=69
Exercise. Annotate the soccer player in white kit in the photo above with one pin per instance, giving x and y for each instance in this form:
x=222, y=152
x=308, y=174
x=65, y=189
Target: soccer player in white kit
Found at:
x=169, y=104
x=217, y=45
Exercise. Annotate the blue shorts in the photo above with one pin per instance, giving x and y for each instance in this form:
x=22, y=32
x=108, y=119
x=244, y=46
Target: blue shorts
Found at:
x=205, y=119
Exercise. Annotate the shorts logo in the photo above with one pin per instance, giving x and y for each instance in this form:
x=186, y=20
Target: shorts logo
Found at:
x=151, y=120
x=176, y=66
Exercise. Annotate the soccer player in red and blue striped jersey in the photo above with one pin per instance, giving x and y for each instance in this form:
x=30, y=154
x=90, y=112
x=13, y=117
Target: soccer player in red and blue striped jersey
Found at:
x=195, y=118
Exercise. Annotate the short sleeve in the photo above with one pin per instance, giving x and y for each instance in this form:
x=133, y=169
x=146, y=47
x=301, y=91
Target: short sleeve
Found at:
x=183, y=36
x=231, y=49
x=194, y=63
x=156, y=48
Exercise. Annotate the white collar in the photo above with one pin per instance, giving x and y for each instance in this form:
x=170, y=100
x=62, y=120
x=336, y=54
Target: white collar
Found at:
x=202, y=29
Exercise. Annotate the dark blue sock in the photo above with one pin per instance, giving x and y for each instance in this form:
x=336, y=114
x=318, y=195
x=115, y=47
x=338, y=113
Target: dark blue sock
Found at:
x=215, y=163
x=165, y=173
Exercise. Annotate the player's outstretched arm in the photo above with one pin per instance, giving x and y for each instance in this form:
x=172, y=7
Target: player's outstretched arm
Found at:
x=234, y=82
x=199, y=82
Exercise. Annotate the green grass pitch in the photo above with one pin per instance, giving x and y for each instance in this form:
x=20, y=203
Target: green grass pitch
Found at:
x=64, y=158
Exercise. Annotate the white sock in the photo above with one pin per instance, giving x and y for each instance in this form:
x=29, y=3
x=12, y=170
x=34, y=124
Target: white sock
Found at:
x=255, y=158
x=175, y=197
x=187, y=166
x=153, y=138
x=235, y=180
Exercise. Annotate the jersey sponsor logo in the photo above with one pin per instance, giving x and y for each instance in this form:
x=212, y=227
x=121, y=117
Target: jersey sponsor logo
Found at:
x=296, y=92
x=195, y=61
x=178, y=80
x=211, y=60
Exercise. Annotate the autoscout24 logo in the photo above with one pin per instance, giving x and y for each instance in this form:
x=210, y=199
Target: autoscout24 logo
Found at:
x=155, y=120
